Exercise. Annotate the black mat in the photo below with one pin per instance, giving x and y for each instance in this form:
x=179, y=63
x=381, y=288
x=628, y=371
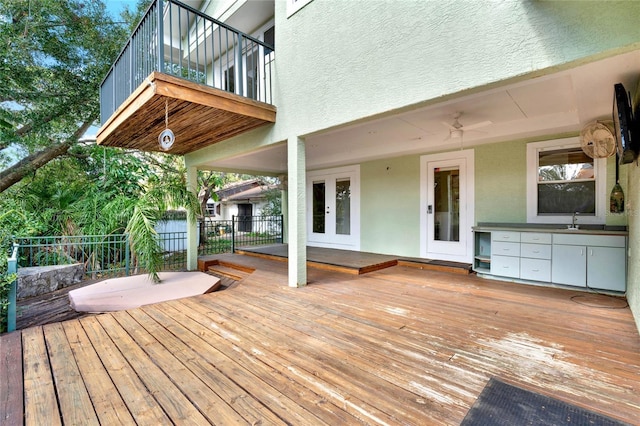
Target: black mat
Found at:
x=504, y=404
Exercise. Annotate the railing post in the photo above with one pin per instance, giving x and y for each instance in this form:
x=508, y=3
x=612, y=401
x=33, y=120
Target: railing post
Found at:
x=239, y=85
x=12, y=268
x=233, y=233
x=126, y=254
x=160, y=36
x=281, y=227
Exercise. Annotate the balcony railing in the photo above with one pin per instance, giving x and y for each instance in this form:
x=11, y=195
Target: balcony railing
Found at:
x=176, y=39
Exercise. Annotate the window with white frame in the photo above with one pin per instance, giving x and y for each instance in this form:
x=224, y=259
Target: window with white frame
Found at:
x=295, y=5
x=562, y=180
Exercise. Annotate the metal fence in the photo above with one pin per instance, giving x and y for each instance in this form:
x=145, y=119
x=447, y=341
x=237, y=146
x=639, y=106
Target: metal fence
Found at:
x=110, y=255
x=226, y=235
x=174, y=38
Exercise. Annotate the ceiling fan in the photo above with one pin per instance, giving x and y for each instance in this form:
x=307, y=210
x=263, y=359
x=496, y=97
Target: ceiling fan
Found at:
x=456, y=129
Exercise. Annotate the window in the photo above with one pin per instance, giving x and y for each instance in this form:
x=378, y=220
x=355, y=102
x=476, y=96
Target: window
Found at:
x=561, y=180
x=270, y=39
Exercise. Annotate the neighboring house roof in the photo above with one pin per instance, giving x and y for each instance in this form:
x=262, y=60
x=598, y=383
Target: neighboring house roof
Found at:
x=238, y=187
x=250, y=194
x=252, y=189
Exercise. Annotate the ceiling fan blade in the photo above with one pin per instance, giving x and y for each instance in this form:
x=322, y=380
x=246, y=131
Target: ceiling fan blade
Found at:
x=477, y=125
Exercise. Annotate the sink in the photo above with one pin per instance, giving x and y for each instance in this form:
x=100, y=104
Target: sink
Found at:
x=573, y=227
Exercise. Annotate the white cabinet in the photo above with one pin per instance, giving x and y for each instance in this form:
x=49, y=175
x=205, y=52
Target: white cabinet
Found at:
x=569, y=265
x=505, y=254
x=606, y=268
x=535, y=256
x=594, y=261
x=584, y=260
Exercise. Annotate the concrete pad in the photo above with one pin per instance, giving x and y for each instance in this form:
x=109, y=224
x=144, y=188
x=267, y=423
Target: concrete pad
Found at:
x=117, y=294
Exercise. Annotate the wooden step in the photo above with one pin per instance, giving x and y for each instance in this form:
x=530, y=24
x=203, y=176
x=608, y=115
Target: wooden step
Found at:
x=227, y=271
x=437, y=265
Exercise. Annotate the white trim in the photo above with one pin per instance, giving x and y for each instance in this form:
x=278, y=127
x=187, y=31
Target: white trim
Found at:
x=467, y=221
x=295, y=5
x=600, y=170
x=351, y=242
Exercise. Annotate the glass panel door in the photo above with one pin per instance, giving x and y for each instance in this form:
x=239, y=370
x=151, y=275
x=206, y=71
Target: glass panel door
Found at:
x=333, y=206
x=319, y=206
x=343, y=206
x=447, y=204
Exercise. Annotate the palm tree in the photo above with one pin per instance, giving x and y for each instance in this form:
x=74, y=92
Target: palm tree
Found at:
x=148, y=211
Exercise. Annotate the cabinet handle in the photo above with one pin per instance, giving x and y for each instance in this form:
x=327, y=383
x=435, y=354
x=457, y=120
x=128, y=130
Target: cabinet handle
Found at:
x=591, y=252
x=535, y=270
x=536, y=251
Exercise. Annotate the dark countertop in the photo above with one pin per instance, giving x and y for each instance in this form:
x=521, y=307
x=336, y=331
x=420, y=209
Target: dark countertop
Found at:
x=552, y=228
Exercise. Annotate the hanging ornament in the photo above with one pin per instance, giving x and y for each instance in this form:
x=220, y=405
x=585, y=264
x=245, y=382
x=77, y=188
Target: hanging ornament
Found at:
x=166, y=137
x=616, y=199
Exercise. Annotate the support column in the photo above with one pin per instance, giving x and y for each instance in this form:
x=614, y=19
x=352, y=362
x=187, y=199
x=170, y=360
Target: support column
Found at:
x=297, y=235
x=192, y=228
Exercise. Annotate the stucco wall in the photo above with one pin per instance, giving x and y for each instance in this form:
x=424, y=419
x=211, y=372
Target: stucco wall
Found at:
x=390, y=196
x=338, y=61
x=501, y=186
x=343, y=60
x=390, y=206
x=632, y=208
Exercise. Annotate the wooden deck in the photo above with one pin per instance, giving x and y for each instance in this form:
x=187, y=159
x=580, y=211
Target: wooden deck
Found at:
x=351, y=262
x=396, y=346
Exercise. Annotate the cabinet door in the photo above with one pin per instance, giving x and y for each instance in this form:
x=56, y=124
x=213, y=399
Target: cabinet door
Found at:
x=569, y=265
x=505, y=266
x=606, y=268
x=535, y=269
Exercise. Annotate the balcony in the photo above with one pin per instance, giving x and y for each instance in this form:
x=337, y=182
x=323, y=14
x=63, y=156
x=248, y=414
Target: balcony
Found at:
x=205, y=80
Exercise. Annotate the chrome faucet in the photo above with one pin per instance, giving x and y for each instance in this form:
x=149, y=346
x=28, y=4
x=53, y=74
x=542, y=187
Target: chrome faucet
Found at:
x=573, y=220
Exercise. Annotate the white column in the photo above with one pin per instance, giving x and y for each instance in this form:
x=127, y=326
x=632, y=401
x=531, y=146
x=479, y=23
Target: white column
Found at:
x=192, y=228
x=297, y=235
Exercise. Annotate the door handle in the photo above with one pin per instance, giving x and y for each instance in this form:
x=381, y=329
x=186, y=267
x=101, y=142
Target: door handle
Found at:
x=429, y=209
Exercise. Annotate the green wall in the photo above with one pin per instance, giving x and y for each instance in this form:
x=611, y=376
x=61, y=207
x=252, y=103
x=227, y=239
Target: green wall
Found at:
x=501, y=186
x=390, y=206
x=390, y=196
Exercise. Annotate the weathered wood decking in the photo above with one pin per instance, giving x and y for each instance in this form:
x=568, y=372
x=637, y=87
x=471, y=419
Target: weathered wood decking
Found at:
x=396, y=346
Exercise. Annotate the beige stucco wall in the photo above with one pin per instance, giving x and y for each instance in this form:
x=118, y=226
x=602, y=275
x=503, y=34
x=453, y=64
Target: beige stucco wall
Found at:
x=390, y=206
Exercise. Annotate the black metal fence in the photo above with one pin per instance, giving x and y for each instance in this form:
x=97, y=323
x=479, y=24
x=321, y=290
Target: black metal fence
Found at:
x=226, y=235
x=110, y=255
x=174, y=38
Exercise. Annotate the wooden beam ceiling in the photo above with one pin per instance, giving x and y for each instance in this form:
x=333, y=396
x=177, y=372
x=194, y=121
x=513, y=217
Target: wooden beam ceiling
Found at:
x=198, y=116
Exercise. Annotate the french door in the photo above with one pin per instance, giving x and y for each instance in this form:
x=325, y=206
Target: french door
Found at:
x=333, y=205
x=447, y=194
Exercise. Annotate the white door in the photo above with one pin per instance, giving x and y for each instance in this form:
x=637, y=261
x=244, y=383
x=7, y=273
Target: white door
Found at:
x=447, y=194
x=333, y=205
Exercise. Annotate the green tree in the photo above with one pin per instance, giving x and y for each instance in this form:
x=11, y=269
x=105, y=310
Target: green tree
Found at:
x=53, y=57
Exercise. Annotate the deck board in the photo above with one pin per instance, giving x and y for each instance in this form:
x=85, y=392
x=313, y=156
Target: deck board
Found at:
x=40, y=396
x=107, y=402
x=73, y=399
x=139, y=401
x=398, y=345
x=11, y=388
